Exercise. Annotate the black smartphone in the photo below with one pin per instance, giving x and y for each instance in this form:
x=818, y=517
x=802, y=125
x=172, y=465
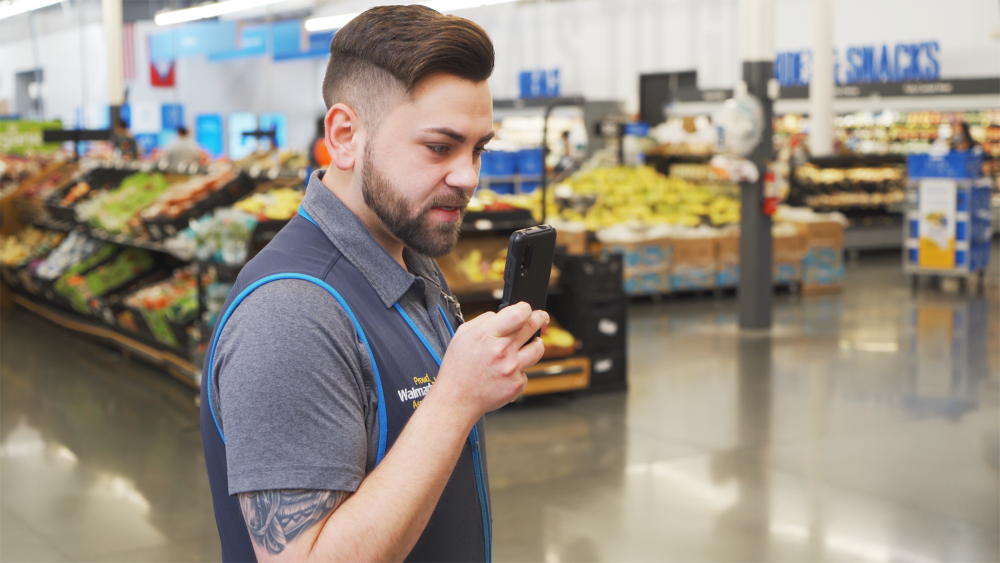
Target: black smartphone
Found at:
x=529, y=264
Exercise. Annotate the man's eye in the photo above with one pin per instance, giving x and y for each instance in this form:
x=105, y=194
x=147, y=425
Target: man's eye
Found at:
x=479, y=151
x=438, y=149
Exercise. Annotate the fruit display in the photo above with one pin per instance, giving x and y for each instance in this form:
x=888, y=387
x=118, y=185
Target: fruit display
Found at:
x=16, y=169
x=274, y=205
x=174, y=300
x=27, y=244
x=113, y=210
x=181, y=197
x=641, y=194
x=289, y=160
x=478, y=268
x=222, y=236
x=861, y=187
x=123, y=265
x=73, y=250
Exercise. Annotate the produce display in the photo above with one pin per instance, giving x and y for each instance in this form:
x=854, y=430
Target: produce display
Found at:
x=124, y=264
x=117, y=210
x=274, y=205
x=27, y=244
x=174, y=300
x=15, y=169
x=222, y=236
x=851, y=187
x=641, y=194
x=73, y=250
x=478, y=268
x=181, y=197
x=290, y=160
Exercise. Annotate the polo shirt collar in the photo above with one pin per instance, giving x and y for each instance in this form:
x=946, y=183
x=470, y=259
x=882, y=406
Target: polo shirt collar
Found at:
x=346, y=231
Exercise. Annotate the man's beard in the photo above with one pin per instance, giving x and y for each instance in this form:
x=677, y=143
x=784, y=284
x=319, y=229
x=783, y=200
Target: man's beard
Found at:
x=415, y=231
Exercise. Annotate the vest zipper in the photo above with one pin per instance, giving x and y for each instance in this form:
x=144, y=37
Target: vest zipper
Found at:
x=477, y=464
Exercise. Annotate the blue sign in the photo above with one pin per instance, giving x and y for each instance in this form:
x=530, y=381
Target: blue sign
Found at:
x=539, y=83
x=173, y=116
x=124, y=113
x=202, y=38
x=208, y=133
x=279, y=122
x=239, y=144
x=292, y=42
x=148, y=142
x=252, y=43
x=865, y=64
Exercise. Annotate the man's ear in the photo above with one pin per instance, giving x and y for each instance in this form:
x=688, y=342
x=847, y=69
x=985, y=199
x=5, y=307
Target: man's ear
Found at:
x=342, y=129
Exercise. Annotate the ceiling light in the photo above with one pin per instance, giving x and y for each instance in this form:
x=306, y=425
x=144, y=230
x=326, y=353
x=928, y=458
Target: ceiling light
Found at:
x=336, y=22
x=209, y=11
x=10, y=9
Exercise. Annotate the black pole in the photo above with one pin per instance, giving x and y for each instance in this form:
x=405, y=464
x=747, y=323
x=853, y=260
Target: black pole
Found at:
x=545, y=143
x=756, y=290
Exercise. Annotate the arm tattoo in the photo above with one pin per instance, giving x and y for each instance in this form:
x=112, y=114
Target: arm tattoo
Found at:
x=275, y=518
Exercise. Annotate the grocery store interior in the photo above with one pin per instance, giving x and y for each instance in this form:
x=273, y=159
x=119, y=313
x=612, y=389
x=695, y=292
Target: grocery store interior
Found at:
x=775, y=293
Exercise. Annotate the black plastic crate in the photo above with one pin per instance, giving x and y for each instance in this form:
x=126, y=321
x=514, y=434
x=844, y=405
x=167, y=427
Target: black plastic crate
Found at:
x=229, y=194
x=98, y=178
x=592, y=278
x=608, y=372
x=599, y=326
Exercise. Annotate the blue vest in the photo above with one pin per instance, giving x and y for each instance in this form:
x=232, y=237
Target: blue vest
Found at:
x=459, y=528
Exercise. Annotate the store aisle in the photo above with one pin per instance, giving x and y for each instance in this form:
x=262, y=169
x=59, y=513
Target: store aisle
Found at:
x=865, y=428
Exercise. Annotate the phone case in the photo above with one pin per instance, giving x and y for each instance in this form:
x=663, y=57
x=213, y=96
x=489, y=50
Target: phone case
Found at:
x=529, y=264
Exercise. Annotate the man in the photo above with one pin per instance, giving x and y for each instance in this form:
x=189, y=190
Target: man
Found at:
x=342, y=411
x=123, y=142
x=184, y=150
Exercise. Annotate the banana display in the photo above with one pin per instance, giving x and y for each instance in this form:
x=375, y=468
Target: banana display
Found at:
x=555, y=337
x=629, y=194
x=478, y=269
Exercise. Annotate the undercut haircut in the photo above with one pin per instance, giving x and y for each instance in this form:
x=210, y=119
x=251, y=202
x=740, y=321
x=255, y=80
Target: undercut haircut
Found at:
x=378, y=58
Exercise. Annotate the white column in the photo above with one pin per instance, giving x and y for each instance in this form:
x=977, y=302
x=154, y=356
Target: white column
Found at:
x=757, y=30
x=821, y=83
x=111, y=14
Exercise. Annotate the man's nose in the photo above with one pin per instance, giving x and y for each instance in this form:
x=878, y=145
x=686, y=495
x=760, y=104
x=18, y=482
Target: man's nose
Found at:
x=464, y=175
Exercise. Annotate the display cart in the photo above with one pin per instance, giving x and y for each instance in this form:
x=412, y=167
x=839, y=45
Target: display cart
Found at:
x=948, y=228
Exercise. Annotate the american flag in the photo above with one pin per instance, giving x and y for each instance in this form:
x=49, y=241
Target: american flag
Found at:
x=128, y=52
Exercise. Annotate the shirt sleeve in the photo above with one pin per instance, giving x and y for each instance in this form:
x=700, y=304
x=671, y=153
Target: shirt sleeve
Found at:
x=292, y=397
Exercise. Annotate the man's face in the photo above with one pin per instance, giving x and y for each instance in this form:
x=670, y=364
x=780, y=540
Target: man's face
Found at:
x=422, y=165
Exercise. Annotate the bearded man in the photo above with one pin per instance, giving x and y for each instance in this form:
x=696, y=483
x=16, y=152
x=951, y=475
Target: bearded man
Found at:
x=343, y=325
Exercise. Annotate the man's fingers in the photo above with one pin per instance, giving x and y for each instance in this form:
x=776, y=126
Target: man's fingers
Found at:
x=530, y=354
x=510, y=319
x=535, y=323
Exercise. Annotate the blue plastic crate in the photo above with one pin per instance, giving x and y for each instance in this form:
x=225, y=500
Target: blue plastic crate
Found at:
x=979, y=257
x=529, y=162
x=528, y=187
x=498, y=163
x=962, y=165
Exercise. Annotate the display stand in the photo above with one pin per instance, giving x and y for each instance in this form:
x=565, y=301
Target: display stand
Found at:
x=948, y=228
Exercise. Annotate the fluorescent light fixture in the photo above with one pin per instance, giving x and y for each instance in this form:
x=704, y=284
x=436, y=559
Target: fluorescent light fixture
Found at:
x=209, y=11
x=10, y=9
x=336, y=22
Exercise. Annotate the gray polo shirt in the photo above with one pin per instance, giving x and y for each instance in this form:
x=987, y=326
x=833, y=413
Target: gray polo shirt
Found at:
x=297, y=398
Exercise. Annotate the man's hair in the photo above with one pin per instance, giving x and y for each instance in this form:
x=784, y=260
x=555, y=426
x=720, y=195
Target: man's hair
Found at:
x=378, y=58
x=182, y=131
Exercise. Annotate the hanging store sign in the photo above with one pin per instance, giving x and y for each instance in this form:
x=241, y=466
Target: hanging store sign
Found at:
x=865, y=64
x=957, y=87
x=21, y=136
x=539, y=83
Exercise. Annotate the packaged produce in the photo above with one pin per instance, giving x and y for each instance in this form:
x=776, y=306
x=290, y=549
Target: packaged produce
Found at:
x=79, y=288
x=174, y=300
x=27, y=244
x=182, y=197
x=222, y=236
x=275, y=205
x=114, y=209
x=73, y=250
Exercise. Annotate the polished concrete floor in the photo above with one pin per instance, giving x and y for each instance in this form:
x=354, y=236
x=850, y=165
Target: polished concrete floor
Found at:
x=865, y=427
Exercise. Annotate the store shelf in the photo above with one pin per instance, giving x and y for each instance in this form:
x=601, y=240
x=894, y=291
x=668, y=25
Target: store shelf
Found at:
x=480, y=221
x=181, y=369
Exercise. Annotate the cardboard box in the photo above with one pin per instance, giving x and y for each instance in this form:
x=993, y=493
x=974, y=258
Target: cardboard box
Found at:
x=727, y=275
x=727, y=249
x=575, y=242
x=785, y=273
x=647, y=283
x=640, y=257
x=789, y=249
x=822, y=234
x=694, y=251
x=692, y=278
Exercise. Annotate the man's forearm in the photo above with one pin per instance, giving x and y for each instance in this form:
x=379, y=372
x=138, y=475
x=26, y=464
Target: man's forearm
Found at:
x=384, y=518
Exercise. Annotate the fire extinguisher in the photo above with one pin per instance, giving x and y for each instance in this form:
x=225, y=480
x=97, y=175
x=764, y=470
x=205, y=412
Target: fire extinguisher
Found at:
x=771, y=199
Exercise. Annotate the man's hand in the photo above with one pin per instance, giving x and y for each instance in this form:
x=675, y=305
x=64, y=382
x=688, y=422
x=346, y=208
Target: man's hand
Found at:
x=483, y=368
